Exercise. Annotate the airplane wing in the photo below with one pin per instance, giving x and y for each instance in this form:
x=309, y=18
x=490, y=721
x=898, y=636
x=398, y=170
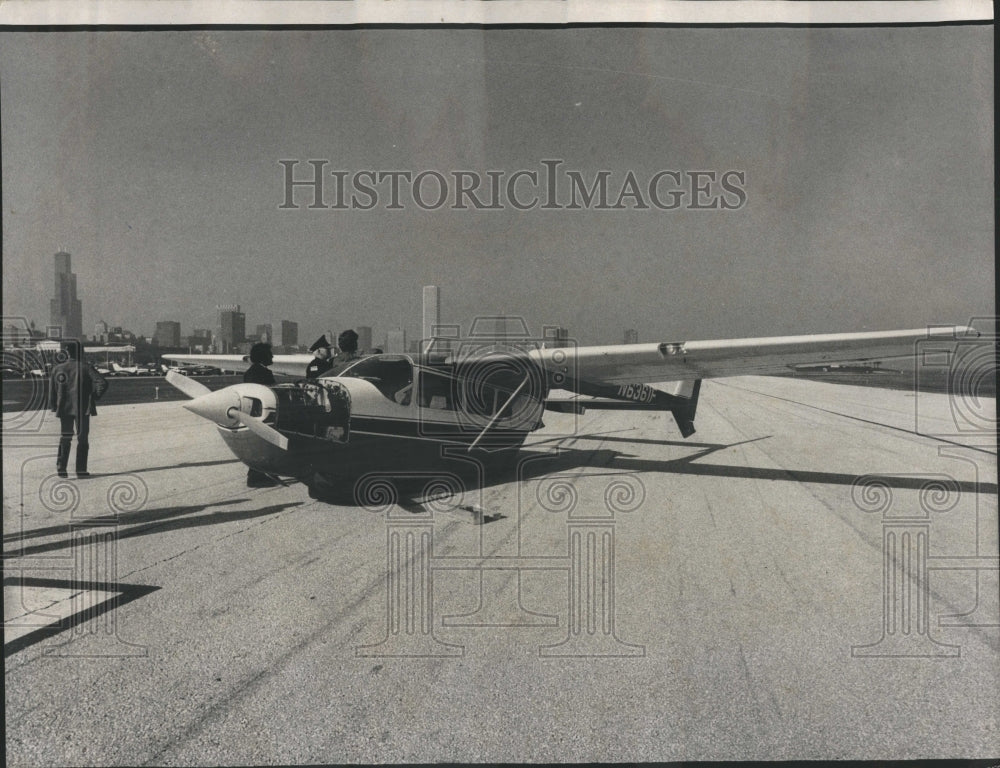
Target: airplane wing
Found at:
x=691, y=360
x=290, y=365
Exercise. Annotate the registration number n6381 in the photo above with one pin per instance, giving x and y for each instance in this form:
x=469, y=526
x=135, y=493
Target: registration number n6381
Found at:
x=638, y=392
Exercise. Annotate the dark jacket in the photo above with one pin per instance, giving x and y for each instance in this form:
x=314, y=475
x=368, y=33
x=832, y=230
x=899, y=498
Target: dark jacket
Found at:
x=318, y=367
x=74, y=388
x=258, y=374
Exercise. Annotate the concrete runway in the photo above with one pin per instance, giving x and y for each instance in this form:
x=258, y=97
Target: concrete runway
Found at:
x=627, y=596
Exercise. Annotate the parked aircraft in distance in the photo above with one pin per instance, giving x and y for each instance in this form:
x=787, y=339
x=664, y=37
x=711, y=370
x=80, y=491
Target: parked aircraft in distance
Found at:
x=193, y=369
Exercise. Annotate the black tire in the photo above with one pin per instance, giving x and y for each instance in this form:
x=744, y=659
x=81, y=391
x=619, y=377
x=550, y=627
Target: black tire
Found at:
x=324, y=489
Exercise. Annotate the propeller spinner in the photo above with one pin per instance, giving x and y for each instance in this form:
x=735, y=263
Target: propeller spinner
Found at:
x=230, y=407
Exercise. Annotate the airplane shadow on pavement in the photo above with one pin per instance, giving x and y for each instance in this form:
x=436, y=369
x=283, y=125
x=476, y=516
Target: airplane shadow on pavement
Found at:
x=479, y=471
x=534, y=464
x=143, y=522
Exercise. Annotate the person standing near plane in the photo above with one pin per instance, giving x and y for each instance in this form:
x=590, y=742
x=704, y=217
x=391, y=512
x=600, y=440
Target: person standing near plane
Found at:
x=260, y=358
x=348, y=343
x=259, y=373
x=321, y=363
x=74, y=389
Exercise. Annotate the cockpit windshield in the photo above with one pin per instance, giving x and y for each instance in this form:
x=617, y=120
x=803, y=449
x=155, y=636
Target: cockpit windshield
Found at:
x=392, y=375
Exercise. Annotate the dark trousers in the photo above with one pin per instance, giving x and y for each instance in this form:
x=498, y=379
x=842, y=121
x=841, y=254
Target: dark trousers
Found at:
x=69, y=424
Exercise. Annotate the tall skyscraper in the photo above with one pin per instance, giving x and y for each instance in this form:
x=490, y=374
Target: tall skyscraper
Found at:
x=168, y=333
x=364, y=337
x=432, y=312
x=66, y=310
x=290, y=332
x=232, y=327
x=264, y=333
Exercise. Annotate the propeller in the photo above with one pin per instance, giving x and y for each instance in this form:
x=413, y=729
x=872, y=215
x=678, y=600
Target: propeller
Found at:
x=223, y=407
x=262, y=430
x=189, y=387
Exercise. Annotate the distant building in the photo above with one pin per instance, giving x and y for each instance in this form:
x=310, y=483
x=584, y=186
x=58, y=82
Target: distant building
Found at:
x=101, y=331
x=631, y=336
x=66, y=310
x=286, y=334
x=431, y=311
x=232, y=328
x=200, y=340
x=264, y=333
x=168, y=333
x=364, y=337
x=120, y=335
x=395, y=341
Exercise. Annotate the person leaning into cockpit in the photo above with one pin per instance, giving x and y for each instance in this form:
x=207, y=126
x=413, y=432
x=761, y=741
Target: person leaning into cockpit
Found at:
x=321, y=363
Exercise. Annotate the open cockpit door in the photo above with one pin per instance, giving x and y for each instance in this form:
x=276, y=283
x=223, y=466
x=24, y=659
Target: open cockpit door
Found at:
x=314, y=408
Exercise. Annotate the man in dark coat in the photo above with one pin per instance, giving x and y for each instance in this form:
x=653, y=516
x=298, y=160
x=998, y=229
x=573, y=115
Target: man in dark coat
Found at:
x=260, y=358
x=321, y=363
x=74, y=389
x=348, y=343
x=259, y=373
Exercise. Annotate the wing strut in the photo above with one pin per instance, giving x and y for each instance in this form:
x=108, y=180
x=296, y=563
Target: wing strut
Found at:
x=684, y=411
x=499, y=413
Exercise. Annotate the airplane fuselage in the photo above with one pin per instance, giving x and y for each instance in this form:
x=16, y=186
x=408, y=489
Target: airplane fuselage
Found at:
x=384, y=411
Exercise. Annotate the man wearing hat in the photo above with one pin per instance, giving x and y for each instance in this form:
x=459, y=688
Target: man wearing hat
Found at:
x=321, y=363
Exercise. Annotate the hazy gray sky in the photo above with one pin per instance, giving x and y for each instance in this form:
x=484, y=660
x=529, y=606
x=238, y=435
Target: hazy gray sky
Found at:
x=152, y=157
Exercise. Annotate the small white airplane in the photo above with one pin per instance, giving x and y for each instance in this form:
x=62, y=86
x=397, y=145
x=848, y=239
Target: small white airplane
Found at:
x=131, y=370
x=389, y=409
x=191, y=370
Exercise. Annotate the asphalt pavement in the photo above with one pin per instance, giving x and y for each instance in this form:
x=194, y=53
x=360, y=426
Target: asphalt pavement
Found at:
x=623, y=595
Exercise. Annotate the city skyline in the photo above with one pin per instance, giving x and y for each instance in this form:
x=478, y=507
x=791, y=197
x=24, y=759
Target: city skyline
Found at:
x=231, y=323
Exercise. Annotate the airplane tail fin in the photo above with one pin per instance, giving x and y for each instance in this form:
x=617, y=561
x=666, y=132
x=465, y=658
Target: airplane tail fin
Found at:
x=678, y=397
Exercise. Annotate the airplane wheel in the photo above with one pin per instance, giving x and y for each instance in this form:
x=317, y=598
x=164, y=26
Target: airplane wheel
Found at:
x=321, y=489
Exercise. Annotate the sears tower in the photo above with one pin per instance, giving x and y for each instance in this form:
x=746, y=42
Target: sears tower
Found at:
x=66, y=309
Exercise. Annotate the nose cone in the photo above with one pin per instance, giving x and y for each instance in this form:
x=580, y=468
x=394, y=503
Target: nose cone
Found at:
x=220, y=406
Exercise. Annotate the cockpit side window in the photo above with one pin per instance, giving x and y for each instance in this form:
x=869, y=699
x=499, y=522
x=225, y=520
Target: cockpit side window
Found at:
x=392, y=375
x=436, y=391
